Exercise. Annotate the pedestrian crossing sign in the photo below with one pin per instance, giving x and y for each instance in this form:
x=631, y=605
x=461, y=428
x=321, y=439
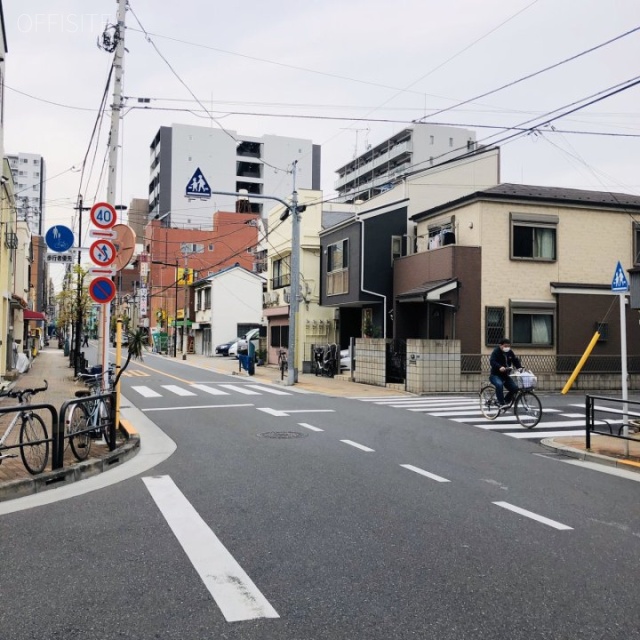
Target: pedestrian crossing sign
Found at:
x=619, y=283
x=198, y=187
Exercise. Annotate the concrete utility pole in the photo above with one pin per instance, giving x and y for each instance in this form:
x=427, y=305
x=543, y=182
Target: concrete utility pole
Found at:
x=114, y=138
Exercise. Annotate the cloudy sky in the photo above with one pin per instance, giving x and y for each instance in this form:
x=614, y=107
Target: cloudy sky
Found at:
x=343, y=73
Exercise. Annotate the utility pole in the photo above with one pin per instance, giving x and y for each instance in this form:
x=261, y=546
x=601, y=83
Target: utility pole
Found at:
x=78, y=325
x=294, y=287
x=114, y=137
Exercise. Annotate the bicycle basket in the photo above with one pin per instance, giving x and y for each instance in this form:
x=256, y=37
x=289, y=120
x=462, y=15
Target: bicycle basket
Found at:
x=525, y=379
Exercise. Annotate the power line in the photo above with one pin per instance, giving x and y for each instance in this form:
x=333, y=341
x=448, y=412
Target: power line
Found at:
x=532, y=75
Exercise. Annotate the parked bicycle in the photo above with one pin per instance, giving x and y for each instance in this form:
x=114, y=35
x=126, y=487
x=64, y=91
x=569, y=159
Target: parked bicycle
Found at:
x=33, y=437
x=525, y=403
x=283, y=364
x=92, y=417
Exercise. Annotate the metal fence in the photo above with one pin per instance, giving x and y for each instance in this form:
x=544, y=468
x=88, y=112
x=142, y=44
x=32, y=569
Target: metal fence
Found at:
x=623, y=418
x=555, y=364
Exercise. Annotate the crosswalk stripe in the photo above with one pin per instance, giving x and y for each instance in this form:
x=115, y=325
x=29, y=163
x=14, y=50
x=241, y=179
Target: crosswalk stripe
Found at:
x=147, y=392
x=179, y=391
x=544, y=434
x=212, y=390
x=378, y=398
x=273, y=390
x=238, y=389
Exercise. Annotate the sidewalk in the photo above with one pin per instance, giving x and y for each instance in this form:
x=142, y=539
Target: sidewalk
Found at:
x=53, y=366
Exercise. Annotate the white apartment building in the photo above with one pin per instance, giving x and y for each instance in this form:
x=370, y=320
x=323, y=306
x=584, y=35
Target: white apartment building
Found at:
x=229, y=162
x=28, y=170
x=416, y=147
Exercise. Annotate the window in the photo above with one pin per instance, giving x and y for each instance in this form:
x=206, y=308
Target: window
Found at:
x=451, y=142
x=532, y=323
x=338, y=268
x=494, y=325
x=199, y=299
x=636, y=243
x=281, y=271
x=207, y=298
x=36, y=161
x=279, y=336
x=396, y=247
x=190, y=247
x=432, y=139
x=533, y=236
x=211, y=247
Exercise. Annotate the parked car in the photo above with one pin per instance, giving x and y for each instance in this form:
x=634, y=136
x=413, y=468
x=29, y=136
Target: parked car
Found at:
x=124, y=341
x=223, y=349
x=243, y=343
x=233, y=350
x=345, y=359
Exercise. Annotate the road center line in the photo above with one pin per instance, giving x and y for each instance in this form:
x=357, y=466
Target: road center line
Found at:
x=201, y=406
x=233, y=590
x=534, y=516
x=422, y=472
x=309, y=426
x=357, y=446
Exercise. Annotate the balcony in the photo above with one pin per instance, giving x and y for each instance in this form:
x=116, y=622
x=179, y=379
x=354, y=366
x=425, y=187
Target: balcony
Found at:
x=281, y=281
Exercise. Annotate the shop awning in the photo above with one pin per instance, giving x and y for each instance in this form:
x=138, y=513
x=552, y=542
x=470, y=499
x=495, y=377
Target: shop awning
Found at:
x=429, y=291
x=27, y=314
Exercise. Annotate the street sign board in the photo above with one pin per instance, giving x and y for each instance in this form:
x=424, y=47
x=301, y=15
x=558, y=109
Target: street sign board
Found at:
x=109, y=271
x=102, y=290
x=619, y=284
x=59, y=238
x=198, y=187
x=102, y=252
x=60, y=258
x=103, y=215
x=110, y=234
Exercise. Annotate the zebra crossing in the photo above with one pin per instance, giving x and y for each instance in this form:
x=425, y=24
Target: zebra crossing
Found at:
x=193, y=390
x=466, y=410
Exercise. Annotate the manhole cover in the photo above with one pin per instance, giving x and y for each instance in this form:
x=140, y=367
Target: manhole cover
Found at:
x=282, y=435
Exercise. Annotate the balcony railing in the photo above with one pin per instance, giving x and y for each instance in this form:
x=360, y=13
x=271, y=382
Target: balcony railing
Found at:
x=338, y=282
x=281, y=281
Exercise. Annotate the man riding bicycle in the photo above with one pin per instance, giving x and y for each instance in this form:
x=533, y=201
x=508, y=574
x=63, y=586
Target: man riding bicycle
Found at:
x=503, y=361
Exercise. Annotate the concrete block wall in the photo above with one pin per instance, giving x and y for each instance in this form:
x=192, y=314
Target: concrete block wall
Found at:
x=433, y=366
x=371, y=354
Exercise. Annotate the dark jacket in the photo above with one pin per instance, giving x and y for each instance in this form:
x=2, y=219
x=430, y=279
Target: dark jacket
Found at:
x=499, y=359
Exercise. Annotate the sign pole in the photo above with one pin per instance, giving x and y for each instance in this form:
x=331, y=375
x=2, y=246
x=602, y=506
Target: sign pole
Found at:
x=623, y=351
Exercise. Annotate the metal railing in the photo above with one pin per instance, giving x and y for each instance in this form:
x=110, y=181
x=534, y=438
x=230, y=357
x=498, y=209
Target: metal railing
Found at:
x=555, y=364
x=619, y=426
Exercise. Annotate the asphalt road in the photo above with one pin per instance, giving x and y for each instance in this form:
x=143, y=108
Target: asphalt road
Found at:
x=292, y=516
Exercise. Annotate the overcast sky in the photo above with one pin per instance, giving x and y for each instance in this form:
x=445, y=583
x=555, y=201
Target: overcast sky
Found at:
x=258, y=67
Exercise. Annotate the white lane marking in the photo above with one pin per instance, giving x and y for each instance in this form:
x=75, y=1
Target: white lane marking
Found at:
x=278, y=413
x=147, y=392
x=445, y=404
x=357, y=446
x=179, y=391
x=422, y=472
x=378, y=398
x=233, y=387
x=232, y=589
x=309, y=426
x=499, y=423
x=544, y=434
x=266, y=389
x=200, y=406
x=572, y=415
x=534, y=516
x=444, y=414
x=212, y=390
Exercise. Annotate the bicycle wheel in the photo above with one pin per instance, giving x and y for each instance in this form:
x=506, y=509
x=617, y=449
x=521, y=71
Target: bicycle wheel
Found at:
x=283, y=368
x=34, y=456
x=108, y=433
x=528, y=409
x=80, y=443
x=489, y=403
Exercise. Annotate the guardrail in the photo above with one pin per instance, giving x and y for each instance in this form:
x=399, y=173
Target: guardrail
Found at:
x=596, y=407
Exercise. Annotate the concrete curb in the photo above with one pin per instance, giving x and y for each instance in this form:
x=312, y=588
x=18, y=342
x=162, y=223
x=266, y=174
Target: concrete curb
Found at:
x=73, y=473
x=589, y=456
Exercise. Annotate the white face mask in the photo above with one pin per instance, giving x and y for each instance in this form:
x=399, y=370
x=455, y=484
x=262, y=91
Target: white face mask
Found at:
x=506, y=349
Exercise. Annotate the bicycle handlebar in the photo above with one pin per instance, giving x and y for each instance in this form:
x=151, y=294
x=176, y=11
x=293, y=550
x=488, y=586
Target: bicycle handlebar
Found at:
x=19, y=393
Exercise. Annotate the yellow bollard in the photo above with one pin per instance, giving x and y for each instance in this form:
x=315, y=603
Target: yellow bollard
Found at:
x=580, y=364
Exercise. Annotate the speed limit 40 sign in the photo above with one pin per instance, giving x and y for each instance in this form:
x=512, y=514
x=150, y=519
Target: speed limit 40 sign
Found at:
x=103, y=215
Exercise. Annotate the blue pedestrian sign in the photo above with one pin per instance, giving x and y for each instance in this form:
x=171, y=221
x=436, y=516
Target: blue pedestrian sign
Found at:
x=59, y=238
x=198, y=187
x=619, y=284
